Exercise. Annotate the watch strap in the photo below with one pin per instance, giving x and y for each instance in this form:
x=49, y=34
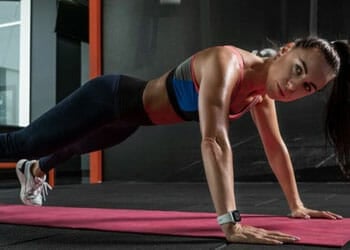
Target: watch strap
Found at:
x=230, y=217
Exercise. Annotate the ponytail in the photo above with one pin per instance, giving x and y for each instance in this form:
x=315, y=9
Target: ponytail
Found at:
x=337, y=123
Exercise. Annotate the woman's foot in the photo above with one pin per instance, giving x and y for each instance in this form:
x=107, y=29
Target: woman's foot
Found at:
x=33, y=189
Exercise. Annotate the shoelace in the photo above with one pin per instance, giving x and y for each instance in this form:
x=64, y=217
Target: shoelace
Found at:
x=40, y=187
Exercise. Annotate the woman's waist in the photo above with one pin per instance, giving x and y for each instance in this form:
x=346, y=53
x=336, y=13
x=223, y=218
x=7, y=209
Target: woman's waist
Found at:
x=157, y=104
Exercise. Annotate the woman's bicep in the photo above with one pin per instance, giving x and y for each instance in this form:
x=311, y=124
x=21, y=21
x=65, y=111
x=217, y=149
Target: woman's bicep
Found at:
x=218, y=76
x=212, y=116
x=213, y=108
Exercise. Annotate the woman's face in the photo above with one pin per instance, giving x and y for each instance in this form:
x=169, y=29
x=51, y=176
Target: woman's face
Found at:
x=296, y=73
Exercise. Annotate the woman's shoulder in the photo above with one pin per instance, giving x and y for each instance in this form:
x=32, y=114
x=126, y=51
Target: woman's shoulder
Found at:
x=221, y=53
x=217, y=62
x=222, y=49
x=225, y=53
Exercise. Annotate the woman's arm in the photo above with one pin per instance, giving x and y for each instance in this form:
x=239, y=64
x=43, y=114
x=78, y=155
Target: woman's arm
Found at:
x=216, y=83
x=265, y=118
x=217, y=74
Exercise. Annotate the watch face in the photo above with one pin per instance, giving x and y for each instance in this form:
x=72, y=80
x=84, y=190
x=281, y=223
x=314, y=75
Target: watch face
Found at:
x=236, y=215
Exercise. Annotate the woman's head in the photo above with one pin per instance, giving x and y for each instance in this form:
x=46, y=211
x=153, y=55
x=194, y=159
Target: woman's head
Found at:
x=325, y=62
x=338, y=108
x=301, y=68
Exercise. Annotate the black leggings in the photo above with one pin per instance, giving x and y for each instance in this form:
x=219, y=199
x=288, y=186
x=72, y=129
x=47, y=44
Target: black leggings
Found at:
x=102, y=113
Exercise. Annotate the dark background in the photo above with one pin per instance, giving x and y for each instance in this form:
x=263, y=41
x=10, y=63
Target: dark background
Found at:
x=145, y=38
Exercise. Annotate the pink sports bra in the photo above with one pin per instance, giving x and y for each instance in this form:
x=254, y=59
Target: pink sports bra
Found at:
x=183, y=89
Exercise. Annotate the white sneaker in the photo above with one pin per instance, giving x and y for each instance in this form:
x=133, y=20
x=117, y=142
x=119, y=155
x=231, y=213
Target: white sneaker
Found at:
x=33, y=189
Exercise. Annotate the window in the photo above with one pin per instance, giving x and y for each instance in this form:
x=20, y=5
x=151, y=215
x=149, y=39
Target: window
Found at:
x=14, y=62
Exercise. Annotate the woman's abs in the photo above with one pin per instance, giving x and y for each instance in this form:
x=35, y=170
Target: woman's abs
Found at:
x=157, y=104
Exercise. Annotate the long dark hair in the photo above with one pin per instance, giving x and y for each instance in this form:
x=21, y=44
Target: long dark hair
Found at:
x=338, y=108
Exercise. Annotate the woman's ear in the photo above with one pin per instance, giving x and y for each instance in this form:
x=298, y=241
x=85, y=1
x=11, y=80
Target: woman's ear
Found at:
x=286, y=48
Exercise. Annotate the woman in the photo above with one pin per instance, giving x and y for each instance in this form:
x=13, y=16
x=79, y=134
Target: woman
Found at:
x=213, y=86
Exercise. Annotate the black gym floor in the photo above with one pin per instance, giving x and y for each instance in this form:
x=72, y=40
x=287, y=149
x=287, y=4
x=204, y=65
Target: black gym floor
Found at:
x=264, y=198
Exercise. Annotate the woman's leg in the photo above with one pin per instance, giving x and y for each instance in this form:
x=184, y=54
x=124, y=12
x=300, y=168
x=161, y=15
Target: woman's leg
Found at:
x=89, y=107
x=101, y=138
x=32, y=174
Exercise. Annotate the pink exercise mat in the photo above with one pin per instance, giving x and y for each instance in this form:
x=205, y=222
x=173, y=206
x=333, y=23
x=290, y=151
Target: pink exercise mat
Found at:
x=320, y=232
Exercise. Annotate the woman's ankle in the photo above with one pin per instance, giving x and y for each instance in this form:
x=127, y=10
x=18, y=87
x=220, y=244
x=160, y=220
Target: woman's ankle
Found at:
x=36, y=171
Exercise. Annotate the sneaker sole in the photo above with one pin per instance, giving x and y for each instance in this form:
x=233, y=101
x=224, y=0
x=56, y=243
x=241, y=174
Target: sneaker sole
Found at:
x=21, y=179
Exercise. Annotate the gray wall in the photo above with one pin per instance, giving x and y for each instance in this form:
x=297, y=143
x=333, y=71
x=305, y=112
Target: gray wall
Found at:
x=55, y=72
x=43, y=57
x=145, y=35
x=144, y=38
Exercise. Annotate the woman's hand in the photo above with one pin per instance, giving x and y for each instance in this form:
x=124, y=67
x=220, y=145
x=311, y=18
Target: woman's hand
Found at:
x=247, y=234
x=306, y=213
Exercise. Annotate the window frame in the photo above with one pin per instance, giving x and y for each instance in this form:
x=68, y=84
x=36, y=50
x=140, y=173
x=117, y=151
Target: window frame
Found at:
x=24, y=62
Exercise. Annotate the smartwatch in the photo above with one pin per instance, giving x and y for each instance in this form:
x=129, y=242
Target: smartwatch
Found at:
x=230, y=217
